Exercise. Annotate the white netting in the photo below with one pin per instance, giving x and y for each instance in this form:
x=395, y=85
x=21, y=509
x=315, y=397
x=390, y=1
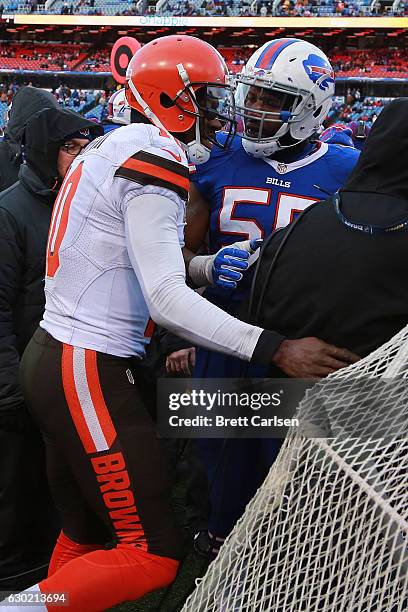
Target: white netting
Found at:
x=328, y=529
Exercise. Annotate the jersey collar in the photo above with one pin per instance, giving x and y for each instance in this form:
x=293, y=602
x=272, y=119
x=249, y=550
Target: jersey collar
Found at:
x=282, y=168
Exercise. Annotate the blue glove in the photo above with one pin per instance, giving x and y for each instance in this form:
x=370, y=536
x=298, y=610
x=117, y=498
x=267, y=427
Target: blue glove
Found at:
x=338, y=134
x=230, y=262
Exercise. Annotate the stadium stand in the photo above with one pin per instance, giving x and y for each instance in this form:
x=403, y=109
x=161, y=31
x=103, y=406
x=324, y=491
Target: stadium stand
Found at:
x=42, y=57
x=91, y=103
x=378, y=63
x=96, y=7
x=245, y=8
x=93, y=57
x=382, y=63
x=97, y=62
x=282, y=8
x=367, y=110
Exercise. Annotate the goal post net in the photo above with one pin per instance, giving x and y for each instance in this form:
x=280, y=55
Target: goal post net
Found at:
x=328, y=529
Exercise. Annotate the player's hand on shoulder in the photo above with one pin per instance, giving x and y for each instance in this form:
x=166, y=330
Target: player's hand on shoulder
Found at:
x=312, y=358
x=230, y=263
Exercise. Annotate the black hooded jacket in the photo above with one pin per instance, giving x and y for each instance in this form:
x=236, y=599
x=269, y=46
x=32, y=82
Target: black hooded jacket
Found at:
x=27, y=102
x=25, y=213
x=347, y=287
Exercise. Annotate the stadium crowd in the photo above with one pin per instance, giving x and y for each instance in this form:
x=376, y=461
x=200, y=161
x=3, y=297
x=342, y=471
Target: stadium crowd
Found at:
x=42, y=56
x=374, y=63
x=371, y=63
x=366, y=110
x=214, y=8
x=94, y=103
x=91, y=103
x=285, y=8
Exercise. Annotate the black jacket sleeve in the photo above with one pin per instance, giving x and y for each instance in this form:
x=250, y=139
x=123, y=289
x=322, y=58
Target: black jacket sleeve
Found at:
x=11, y=270
x=267, y=345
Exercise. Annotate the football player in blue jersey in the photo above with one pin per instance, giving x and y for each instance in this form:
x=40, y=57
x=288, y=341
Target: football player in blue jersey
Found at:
x=275, y=170
x=267, y=177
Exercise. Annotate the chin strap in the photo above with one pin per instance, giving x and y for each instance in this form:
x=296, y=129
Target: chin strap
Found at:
x=197, y=153
x=195, y=150
x=146, y=108
x=260, y=149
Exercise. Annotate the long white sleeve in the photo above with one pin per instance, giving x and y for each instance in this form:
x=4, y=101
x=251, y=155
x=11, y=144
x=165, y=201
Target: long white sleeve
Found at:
x=151, y=223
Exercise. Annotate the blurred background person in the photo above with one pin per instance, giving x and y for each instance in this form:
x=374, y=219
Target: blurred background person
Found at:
x=119, y=112
x=26, y=102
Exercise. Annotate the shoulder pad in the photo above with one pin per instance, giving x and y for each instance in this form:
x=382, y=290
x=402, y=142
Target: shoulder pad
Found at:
x=151, y=167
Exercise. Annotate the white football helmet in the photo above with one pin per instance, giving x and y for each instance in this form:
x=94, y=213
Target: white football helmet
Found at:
x=294, y=79
x=118, y=108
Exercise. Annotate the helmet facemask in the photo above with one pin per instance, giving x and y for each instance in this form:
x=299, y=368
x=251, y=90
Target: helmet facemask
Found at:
x=213, y=105
x=275, y=116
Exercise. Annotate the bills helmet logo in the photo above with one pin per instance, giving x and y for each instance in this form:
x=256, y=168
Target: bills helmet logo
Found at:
x=315, y=67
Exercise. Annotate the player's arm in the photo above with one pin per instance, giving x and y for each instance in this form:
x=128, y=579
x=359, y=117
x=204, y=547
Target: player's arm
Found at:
x=154, y=249
x=195, y=233
x=152, y=235
x=220, y=270
x=197, y=221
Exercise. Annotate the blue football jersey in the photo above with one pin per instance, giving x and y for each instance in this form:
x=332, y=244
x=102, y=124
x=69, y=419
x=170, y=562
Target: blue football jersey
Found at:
x=250, y=197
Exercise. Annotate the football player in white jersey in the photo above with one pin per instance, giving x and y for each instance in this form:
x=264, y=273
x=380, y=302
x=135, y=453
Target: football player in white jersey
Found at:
x=114, y=256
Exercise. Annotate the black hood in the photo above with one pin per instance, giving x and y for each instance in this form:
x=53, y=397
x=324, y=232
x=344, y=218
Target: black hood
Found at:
x=27, y=101
x=44, y=134
x=382, y=167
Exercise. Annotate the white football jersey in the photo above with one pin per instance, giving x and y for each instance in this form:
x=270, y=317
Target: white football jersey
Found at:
x=93, y=298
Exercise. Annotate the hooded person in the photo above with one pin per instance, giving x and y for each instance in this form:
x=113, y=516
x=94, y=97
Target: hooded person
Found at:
x=28, y=525
x=339, y=272
x=26, y=103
